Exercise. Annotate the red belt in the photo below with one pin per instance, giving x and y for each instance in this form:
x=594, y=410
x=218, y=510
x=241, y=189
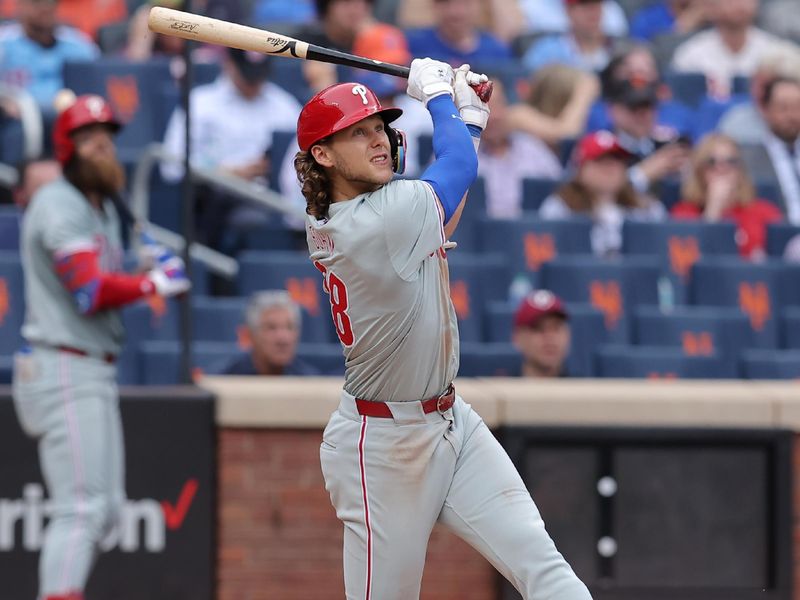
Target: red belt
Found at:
x=107, y=357
x=440, y=404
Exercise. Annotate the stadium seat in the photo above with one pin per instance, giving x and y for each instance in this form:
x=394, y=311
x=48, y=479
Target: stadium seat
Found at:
x=327, y=358
x=149, y=320
x=6, y=369
x=529, y=242
x=273, y=235
x=678, y=245
x=12, y=302
x=791, y=328
x=760, y=291
x=475, y=280
x=488, y=360
x=658, y=362
x=9, y=229
x=771, y=364
x=134, y=91
x=535, y=191
x=689, y=88
x=289, y=75
x=778, y=236
x=615, y=288
x=697, y=330
x=587, y=329
x=669, y=192
x=294, y=272
x=768, y=190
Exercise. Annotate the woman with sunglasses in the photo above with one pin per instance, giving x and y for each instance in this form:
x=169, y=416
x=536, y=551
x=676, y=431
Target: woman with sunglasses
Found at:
x=718, y=188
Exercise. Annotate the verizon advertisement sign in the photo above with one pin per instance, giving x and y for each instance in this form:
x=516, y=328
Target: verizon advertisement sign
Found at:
x=163, y=546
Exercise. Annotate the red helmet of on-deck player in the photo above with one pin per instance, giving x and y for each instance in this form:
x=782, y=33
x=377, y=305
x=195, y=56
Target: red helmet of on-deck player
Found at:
x=86, y=110
x=341, y=105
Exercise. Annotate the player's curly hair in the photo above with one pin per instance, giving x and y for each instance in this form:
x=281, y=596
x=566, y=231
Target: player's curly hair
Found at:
x=315, y=184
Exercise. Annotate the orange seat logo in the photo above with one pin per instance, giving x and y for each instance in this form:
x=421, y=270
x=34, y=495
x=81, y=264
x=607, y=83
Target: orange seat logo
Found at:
x=539, y=248
x=683, y=253
x=668, y=375
x=158, y=308
x=304, y=292
x=5, y=300
x=459, y=294
x=755, y=302
x=700, y=343
x=123, y=93
x=607, y=298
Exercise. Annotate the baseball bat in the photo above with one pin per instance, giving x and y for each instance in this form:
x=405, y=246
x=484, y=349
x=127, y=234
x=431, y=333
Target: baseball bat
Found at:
x=199, y=28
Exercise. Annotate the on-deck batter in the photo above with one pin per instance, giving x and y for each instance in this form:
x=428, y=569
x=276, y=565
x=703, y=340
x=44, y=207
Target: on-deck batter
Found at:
x=402, y=451
x=64, y=383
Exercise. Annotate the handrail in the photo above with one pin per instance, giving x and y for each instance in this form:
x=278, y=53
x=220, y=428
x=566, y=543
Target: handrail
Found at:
x=31, y=118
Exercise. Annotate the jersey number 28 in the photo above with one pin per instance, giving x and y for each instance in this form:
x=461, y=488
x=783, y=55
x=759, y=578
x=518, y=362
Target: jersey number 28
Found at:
x=337, y=292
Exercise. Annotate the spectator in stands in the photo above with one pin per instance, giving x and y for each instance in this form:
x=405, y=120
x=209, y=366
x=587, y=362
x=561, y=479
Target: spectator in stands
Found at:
x=90, y=15
x=386, y=43
x=264, y=12
x=339, y=21
x=600, y=189
x=33, y=50
x=550, y=16
x=776, y=160
x=666, y=17
x=585, y=46
x=636, y=65
x=143, y=44
x=732, y=47
x=233, y=122
x=718, y=188
x=542, y=335
x=272, y=331
x=33, y=174
x=455, y=37
x=743, y=120
x=501, y=18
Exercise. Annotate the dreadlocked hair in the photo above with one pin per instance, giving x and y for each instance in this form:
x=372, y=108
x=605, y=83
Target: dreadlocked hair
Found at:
x=315, y=184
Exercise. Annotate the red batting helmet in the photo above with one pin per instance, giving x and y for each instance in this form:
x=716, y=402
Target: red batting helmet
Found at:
x=336, y=108
x=86, y=110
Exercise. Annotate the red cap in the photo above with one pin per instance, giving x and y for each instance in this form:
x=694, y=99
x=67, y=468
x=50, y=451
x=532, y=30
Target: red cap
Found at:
x=598, y=144
x=538, y=304
x=86, y=110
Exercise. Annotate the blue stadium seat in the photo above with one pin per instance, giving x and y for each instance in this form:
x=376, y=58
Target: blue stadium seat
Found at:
x=9, y=229
x=778, y=235
x=658, y=362
x=587, y=329
x=697, y=330
x=613, y=287
x=289, y=75
x=679, y=244
x=689, y=88
x=488, y=360
x=12, y=302
x=769, y=190
x=771, y=364
x=791, y=328
x=294, y=272
x=281, y=141
x=760, y=291
x=151, y=320
x=529, y=242
x=6, y=369
x=669, y=192
x=327, y=358
x=535, y=191
x=475, y=280
x=134, y=91
x=273, y=235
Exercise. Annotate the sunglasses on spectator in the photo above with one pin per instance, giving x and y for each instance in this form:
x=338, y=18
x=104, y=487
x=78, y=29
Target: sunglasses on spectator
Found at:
x=728, y=161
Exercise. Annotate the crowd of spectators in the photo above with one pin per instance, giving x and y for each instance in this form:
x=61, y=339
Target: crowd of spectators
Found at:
x=599, y=97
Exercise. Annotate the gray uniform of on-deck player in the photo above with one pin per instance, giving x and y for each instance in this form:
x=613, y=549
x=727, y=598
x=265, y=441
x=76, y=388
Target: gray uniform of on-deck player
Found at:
x=391, y=480
x=68, y=402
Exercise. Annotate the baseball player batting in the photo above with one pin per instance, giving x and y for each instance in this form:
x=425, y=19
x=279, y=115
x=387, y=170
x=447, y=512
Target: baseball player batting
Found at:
x=64, y=381
x=403, y=451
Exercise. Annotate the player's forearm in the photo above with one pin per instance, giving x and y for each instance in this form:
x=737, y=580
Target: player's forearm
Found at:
x=456, y=164
x=95, y=290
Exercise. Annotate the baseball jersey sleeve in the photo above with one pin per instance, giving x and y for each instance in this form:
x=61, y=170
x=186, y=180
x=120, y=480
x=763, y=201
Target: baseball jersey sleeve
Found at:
x=413, y=224
x=67, y=229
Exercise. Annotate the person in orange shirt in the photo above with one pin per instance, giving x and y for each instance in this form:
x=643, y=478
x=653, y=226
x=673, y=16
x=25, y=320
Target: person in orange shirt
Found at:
x=86, y=15
x=718, y=188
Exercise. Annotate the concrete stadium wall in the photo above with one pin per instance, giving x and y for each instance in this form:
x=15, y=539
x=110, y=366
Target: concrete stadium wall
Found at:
x=279, y=537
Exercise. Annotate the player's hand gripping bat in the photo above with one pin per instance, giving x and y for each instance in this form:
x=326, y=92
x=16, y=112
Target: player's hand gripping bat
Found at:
x=214, y=31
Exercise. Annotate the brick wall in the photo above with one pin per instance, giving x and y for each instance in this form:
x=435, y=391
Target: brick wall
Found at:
x=279, y=536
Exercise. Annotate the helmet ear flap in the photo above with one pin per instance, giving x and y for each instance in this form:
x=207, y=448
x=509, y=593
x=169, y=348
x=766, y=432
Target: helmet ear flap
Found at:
x=397, y=145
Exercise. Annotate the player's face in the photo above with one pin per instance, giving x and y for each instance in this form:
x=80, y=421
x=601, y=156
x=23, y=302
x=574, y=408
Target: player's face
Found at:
x=545, y=345
x=275, y=339
x=360, y=155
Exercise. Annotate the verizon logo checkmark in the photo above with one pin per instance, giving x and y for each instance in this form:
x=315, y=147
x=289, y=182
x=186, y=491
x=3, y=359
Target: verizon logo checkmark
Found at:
x=174, y=515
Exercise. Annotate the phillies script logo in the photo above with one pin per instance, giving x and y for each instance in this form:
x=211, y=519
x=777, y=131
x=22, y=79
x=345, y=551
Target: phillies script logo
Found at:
x=143, y=524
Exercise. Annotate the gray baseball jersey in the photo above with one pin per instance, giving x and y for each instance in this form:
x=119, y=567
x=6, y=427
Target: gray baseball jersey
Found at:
x=386, y=274
x=60, y=221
